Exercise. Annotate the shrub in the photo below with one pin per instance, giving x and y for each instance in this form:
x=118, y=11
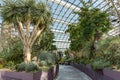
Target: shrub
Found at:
x=21, y=67
x=31, y=67
x=45, y=68
x=28, y=67
x=110, y=49
x=9, y=65
x=100, y=64
x=2, y=61
x=43, y=63
x=46, y=58
x=84, y=60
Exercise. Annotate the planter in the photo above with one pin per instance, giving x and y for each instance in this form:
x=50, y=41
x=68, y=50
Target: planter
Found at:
x=100, y=71
x=50, y=75
x=41, y=75
x=91, y=73
x=113, y=74
x=55, y=69
x=9, y=75
x=37, y=75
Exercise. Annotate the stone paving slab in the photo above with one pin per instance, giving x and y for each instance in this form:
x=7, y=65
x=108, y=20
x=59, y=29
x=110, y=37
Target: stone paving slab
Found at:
x=71, y=73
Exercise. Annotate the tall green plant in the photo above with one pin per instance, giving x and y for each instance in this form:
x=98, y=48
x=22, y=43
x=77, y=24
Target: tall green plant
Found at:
x=92, y=24
x=25, y=14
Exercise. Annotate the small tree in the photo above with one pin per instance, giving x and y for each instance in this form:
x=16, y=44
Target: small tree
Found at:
x=92, y=24
x=26, y=14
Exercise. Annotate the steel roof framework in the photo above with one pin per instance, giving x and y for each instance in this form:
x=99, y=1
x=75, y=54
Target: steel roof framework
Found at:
x=63, y=15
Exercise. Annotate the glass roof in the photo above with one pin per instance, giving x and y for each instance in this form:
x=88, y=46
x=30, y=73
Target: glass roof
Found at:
x=63, y=15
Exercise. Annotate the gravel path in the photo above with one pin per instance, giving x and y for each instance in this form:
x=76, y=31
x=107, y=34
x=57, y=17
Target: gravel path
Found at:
x=71, y=73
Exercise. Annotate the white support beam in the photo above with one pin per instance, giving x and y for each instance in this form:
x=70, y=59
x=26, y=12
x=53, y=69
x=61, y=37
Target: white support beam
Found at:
x=66, y=4
x=58, y=31
x=61, y=21
x=62, y=41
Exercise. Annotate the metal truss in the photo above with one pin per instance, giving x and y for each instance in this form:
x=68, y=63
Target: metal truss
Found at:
x=63, y=15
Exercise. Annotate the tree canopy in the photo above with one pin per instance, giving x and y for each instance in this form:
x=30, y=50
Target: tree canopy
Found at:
x=91, y=25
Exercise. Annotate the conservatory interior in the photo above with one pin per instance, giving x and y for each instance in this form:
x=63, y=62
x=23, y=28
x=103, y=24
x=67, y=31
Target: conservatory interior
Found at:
x=59, y=39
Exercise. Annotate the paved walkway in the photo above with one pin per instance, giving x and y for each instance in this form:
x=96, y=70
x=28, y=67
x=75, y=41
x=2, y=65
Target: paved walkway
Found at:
x=71, y=73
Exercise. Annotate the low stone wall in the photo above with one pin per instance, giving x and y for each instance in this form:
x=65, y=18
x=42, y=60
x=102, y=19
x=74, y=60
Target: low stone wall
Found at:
x=91, y=73
x=37, y=75
x=57, y=70
x=53, y=72
x=9, y=75
x=5, y=75
x=113, y=74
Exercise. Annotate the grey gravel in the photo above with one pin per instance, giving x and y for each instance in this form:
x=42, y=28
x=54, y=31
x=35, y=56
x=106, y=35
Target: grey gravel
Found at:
x=71, y=73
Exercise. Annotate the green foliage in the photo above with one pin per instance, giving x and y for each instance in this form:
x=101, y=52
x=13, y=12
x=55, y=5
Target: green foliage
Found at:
x=2, y=60
x=46, y=59
x=86, y=38
x=10, y=65
x=92, y=24
x=110, y=49
x=21, y=67
x=60, y=54
x=31, y=67
x=74, y=31
x=44, y=42
x=56, y=57
x=43, y=63
x=100, y=63
x=107, y=54
x=13, y=52
x=84, y=35
x=24, y=14
x=11, y=55
x=28, y=67
x=68, y=58
x=1, y=66
x=45, y=68
x=84, y=60
x=14, y=10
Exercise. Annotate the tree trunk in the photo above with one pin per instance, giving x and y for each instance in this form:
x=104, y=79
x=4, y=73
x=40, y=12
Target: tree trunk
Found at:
x=92, y=49
x=27, y=54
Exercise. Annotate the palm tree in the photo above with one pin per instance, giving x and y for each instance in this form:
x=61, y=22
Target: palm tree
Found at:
x=26, y=14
